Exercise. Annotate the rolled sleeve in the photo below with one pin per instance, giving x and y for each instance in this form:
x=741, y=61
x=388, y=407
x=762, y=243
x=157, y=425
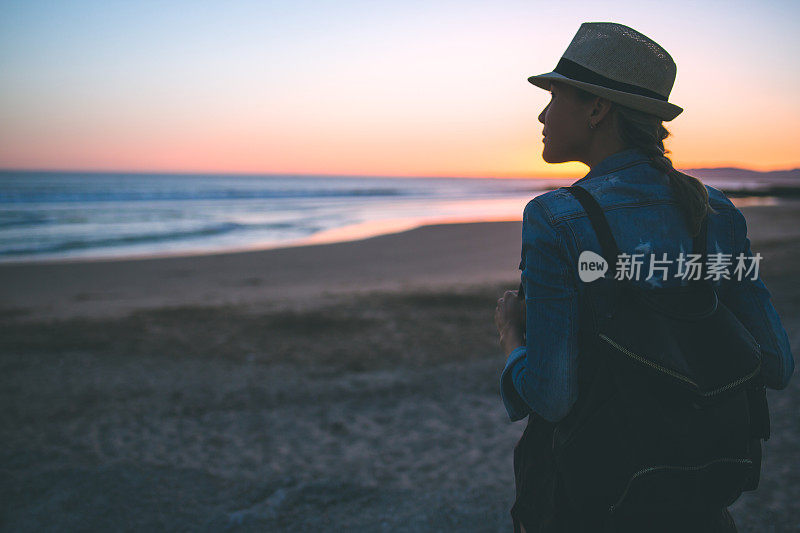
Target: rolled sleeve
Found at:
x=516, y=407
x=542, y=376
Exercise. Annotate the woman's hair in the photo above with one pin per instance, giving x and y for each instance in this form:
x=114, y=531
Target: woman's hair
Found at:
x=646, y=132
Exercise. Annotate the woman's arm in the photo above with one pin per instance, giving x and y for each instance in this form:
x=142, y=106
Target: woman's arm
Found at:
x=541, y=376
x=749, y=300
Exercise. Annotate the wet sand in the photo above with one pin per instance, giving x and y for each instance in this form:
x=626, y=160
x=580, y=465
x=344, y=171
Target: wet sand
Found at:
x=349, y=386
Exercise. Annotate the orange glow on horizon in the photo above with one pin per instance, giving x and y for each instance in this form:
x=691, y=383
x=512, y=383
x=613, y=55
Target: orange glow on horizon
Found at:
x=490, y=148
x=555, y=171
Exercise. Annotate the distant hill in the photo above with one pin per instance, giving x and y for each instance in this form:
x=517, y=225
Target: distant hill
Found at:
x=733, y=173
x=743, y=182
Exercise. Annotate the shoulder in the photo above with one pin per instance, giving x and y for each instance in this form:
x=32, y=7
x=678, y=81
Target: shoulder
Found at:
x=552, y=207
x=539, y=223
x=718, y=199
x=544, y=215
x=537, y=207
x=722, y=206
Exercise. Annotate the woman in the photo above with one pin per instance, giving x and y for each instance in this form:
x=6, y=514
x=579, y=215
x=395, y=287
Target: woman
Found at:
x=609, y=97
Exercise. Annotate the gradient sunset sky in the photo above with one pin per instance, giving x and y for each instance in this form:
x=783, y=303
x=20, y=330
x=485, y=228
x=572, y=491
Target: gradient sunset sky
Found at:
x=368, y=88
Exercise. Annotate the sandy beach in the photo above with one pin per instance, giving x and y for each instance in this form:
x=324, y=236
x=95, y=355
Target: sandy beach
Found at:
x=339, y=387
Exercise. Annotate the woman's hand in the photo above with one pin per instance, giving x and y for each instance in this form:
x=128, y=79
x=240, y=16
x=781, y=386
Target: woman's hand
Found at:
x=509, y=317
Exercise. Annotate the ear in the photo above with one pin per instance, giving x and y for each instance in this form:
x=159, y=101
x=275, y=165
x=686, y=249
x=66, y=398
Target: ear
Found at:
x=601, y=107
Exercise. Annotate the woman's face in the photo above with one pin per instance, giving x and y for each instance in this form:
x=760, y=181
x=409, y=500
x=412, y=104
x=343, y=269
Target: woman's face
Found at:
x=566, y=125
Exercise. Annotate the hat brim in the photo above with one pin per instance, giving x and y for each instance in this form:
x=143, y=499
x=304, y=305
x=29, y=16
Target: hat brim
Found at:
x=663, y=110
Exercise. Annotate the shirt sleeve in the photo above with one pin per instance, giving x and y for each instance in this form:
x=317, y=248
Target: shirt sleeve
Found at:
x=541, y=377
x=749, y=300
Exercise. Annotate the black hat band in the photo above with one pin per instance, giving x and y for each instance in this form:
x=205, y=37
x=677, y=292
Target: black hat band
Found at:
x=577, y=72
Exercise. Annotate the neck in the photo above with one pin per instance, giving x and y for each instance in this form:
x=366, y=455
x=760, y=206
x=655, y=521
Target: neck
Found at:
x=601, y=146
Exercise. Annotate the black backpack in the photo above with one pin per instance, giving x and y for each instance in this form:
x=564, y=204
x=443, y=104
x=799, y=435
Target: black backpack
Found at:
x=670, y=414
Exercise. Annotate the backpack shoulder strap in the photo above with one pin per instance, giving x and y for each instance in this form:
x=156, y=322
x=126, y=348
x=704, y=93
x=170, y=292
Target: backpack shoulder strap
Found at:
x=598, y=221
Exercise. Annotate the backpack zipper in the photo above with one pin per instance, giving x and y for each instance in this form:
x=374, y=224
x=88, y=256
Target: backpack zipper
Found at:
x=678, y=376
x=651, y=469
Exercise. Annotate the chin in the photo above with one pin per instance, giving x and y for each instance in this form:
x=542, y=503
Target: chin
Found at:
x=552, y=158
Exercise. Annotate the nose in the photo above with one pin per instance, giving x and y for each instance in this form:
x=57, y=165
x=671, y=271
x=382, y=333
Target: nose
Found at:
x=542, y=114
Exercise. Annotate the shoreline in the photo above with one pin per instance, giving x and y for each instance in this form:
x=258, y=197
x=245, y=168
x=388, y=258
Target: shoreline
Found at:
x=440, y=255
x=344, y=234
x=435, y=256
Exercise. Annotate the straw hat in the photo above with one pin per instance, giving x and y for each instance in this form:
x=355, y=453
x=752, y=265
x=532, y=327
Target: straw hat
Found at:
x=620, y=64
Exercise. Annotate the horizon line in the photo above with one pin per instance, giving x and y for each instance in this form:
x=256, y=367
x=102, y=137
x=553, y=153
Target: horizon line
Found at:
x=339, y=175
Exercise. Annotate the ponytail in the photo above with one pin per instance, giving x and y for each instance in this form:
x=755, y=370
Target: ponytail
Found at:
x=646, y=132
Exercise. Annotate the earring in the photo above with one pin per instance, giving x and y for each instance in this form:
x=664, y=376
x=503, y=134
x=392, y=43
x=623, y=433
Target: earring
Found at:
x=592, y=125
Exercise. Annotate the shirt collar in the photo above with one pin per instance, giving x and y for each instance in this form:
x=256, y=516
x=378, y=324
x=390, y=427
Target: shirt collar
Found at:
x=616, y=161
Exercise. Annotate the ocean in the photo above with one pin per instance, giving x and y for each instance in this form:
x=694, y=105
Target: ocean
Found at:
x=47, y=216
x=77, y=215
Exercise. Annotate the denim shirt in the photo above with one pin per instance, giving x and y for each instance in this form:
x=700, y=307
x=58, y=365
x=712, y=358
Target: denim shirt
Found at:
x=542, y=377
